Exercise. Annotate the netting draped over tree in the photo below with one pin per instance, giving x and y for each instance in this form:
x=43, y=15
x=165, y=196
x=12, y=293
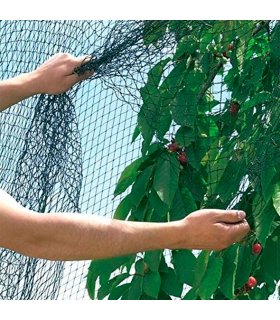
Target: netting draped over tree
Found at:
x=200, y=102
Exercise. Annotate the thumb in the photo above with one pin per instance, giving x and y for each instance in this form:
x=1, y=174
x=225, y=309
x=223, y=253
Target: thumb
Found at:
x=230, y=216
x=83, y=60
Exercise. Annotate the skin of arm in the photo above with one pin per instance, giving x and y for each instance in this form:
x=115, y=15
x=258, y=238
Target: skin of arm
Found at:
x=73, y=237
x=52, y=77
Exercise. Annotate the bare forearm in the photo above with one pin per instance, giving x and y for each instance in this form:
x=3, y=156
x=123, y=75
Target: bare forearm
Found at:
x=77, y=237
x=17, y=89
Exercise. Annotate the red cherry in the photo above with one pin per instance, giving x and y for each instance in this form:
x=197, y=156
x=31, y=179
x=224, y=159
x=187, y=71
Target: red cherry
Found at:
x=234, y=107
x=257, y=248
x=230, y=47
x=225, y=54
x=173, y=147
x=183, y=158
x=251, y=283
x=233, y=110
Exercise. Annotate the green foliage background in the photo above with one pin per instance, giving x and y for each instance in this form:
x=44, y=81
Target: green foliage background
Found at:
x=229, y=155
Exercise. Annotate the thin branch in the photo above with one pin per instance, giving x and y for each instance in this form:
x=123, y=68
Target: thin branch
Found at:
x=209, y=80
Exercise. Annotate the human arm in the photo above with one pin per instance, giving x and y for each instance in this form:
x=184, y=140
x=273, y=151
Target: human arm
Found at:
x=52, y=77
x=72, y=237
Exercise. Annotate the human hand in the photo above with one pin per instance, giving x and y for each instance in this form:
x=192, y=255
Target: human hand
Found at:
x=56, y=76
x=212, y=229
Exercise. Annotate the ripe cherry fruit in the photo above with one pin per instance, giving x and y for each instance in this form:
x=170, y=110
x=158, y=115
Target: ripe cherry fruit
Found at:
x=183, y=158
x=225, y=54
x=251, y=283
x=233, y=110
x=173, y=146
x=230, y=47
x=257, y=248
x=234, y=107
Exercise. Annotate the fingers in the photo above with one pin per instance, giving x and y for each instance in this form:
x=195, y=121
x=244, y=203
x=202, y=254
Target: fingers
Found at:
x=78, y=62
x=229, y=216
x=238, y=231
x=73, y=79
x=82, y=60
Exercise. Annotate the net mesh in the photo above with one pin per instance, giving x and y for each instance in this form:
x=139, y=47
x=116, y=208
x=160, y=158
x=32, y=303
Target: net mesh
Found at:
x=65, y=153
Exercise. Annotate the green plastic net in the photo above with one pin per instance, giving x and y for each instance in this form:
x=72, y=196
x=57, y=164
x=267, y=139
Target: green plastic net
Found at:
x=154, y=81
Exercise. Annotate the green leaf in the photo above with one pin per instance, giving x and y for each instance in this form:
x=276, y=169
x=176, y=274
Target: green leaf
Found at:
x=200, y=150
x=196, y=187
x=229, y=271
x=155, y=74
x=163, y=265
x=216, y=170
x=166, y=177
x=211, y=278
x=123, y=208
x=135, y=133
x=104, y=268
x=139, y=188
x=177, y=211
x=91, y=280
x=139, y=267
x=258, y=98
x=184, y=107
x=106, y=288
x=152, y=258
x=184, y=263
x=266, y=177
x=276, y=198
x=146, y=297
x=142, y=209
x=117, y=292
x=200, y=267
x=151, y=283
x=244, y=266
x=275, y=39
x=187, y=44
x=233, y=173
x=207, y=126
x=127, y=177
x=259, y=293
x=146, y=120
x=271, y=255
x=264, y=214
x=135, y=290
x=170, y=283
x=173, y=82
x=185, y=136
x=191, y=295
x=98, y=267
x=150, y=159
x=163, y=296
x=254, y=69
x=153, y=150
x=244, y=33
x=150, y=115
x=188, y=200
x=164, y=122
x=158, y=205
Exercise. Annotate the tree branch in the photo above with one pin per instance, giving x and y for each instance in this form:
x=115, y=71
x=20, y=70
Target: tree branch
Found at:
x=209, y=80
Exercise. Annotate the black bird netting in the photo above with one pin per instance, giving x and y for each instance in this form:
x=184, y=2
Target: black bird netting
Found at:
x=211, y=88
